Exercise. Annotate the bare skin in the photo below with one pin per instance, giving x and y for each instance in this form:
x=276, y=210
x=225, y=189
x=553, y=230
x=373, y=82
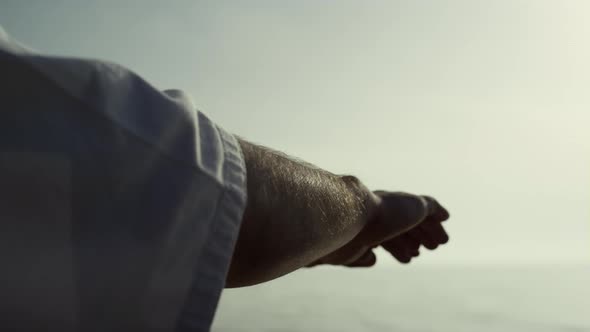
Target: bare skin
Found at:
x=298, y=215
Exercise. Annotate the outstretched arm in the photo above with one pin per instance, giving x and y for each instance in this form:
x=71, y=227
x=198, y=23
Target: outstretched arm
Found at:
x=299, y=215
x=296, y=213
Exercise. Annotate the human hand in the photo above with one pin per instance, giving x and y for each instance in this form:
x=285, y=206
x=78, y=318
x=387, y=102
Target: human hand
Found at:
x=400, y=223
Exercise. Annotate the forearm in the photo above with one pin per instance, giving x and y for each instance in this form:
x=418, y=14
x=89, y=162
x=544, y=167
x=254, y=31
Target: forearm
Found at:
x=296, y=213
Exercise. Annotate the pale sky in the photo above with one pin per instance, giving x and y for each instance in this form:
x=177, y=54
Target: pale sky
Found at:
x=483, y=104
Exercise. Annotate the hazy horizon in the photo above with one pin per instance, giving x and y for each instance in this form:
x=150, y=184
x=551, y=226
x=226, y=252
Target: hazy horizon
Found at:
x=411, y=299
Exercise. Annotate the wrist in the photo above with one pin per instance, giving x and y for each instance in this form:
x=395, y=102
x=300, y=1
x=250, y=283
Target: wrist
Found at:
x=369, y=201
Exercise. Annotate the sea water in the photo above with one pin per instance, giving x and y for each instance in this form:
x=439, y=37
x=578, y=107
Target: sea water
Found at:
x=517, y=297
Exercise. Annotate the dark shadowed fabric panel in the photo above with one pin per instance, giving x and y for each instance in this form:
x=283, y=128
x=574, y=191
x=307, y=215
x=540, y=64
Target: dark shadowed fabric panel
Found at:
x=117, y=200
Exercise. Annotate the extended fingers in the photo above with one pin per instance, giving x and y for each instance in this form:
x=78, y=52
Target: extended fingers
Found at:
x=406, y=222
x=436, y=231
x=403, y=248
x=435, y=211
x=397, y=250
x=430, y=233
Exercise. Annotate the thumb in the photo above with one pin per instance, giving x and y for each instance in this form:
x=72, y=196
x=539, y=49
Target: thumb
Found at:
x=397, y=213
